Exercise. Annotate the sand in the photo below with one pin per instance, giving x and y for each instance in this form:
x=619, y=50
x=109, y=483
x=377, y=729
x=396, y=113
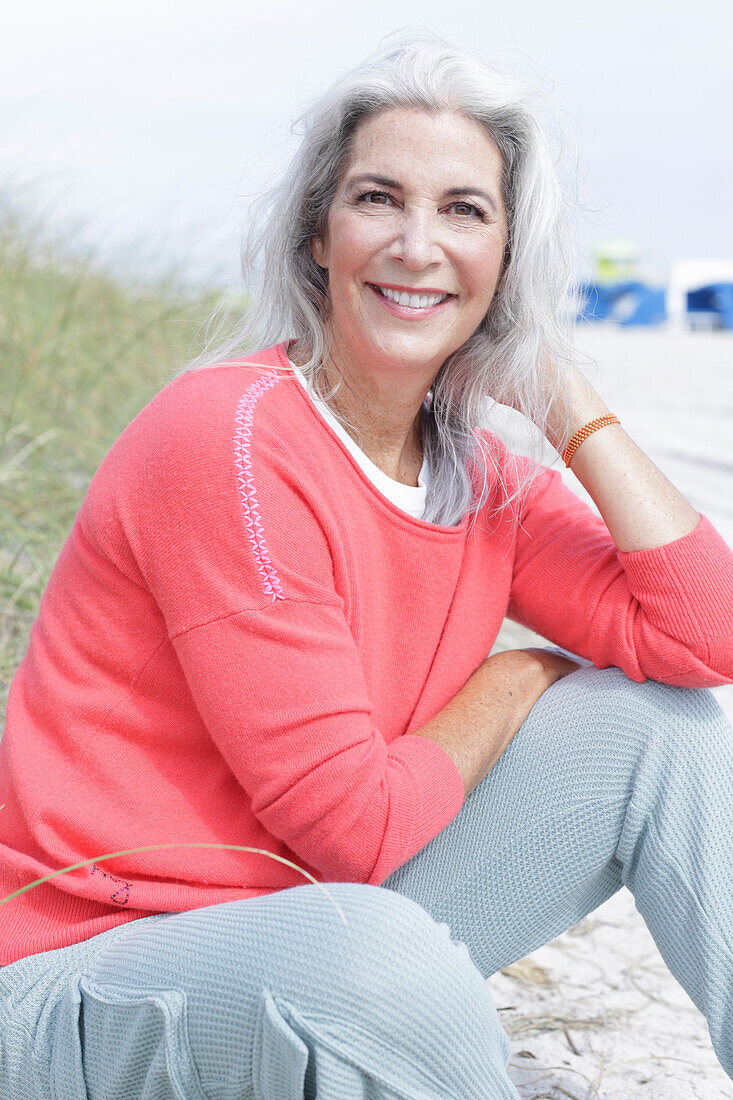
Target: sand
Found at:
x=596, y=1013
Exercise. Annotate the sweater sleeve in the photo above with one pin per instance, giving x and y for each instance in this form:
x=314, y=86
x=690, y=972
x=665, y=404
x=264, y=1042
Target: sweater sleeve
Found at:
x=664, y=613
x=236, y=547
x=282, y=694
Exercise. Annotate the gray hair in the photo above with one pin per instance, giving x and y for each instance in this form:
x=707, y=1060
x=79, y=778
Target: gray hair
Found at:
x=531, y=317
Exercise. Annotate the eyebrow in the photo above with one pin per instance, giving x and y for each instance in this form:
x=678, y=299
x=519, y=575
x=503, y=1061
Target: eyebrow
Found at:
x=384, y=181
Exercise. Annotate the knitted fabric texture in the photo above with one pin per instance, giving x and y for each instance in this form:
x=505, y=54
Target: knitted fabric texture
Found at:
x=241, y=635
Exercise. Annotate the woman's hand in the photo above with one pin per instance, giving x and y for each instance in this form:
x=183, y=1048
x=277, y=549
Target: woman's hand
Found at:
x=640, y=506
x=476, y=726
x=582, y=402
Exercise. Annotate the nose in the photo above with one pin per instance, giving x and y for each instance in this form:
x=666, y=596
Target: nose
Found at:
x=416, y=243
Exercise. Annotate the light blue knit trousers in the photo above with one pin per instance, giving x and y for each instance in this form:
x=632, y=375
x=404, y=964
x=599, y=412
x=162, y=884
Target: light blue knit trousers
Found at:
x=608, y=783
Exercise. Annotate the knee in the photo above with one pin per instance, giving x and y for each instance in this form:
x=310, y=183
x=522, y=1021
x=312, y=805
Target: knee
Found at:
x=689, y=717
x=612, y=736
x=411, y=978
x=675, y=727
x=389, y=941
x=650, y=705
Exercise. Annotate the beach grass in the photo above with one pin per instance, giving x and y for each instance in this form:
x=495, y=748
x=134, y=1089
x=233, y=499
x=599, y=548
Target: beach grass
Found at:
x=81, y=352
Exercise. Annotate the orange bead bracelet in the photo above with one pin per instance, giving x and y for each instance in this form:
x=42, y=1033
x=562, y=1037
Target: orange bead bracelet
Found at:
x=582, y=434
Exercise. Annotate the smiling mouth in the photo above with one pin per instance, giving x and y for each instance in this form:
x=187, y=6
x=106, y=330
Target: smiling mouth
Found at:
x=411, y=301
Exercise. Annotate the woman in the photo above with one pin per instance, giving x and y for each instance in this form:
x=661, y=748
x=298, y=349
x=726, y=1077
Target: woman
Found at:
x=268, y=631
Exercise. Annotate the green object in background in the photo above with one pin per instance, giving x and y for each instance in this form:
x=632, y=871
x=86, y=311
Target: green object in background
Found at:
x=616, y=262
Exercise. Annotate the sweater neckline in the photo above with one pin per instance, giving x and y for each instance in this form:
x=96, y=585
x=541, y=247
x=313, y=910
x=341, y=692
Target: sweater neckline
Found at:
x=393, y=510
x=410, y=498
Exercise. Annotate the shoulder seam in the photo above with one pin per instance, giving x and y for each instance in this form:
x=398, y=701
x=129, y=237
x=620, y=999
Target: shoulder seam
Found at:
x=247, y=611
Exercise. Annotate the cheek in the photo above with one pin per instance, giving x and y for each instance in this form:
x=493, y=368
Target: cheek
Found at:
x=354, y=243
x=483, y=268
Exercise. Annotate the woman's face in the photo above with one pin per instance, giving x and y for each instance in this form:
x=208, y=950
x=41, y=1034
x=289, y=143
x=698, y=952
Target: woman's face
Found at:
x=415, y=240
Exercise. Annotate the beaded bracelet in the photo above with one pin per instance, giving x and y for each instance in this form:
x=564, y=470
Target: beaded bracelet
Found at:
x=582, y=434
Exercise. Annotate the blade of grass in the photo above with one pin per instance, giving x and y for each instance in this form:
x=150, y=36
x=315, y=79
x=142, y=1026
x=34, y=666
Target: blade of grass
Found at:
x=157, y=847
x=19, y=458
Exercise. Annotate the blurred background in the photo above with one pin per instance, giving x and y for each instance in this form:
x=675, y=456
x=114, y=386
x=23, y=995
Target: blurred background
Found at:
x=146, y=126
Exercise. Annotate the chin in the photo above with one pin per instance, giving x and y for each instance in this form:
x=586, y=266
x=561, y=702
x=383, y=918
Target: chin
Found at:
x=410, y=350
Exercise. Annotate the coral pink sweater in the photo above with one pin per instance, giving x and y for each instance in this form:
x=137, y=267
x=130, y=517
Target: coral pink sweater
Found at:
x=241, y=634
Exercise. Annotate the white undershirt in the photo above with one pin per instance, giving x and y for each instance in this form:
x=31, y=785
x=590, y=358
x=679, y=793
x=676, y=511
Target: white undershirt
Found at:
x=409, y=498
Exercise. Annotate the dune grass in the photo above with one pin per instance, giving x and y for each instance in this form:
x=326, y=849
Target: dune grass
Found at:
x=80, y=354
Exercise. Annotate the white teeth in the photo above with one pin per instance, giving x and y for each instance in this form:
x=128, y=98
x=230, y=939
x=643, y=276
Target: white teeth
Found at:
x=414, y=301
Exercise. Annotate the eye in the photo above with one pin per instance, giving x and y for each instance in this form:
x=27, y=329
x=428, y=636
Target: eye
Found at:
x=376, y=198
x=468, y=209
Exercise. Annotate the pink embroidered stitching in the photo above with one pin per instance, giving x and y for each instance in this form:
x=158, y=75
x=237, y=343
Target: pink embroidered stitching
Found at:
x=245, y=480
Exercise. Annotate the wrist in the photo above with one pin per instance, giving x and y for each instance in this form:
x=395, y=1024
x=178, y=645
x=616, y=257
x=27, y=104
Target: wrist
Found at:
x=580, y=406
x=526, y=672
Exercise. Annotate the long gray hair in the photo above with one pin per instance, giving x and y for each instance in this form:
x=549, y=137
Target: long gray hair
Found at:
x=530, y=320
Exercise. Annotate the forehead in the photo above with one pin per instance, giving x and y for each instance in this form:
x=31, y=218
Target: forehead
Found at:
x=415, y=146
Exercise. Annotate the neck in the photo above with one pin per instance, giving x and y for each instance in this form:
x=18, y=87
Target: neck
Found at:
x=382, y=413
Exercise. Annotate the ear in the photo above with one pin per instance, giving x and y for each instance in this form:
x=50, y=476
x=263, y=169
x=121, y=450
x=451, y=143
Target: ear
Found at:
x=319, y=252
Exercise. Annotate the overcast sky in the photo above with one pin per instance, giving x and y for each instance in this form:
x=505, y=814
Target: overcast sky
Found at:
x=151, y=122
